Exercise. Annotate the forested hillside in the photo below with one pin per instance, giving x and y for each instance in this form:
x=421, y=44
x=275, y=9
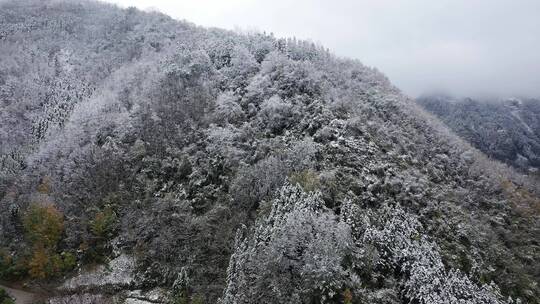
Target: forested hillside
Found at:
x=148, y=160
x=507, y=130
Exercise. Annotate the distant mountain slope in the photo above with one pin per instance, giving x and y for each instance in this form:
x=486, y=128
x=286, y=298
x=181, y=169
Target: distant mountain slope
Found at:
x=150, y=160
x=507, y=130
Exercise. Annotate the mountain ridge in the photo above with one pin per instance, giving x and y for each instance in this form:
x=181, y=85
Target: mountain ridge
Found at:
x=224, y=164
x=505, y=129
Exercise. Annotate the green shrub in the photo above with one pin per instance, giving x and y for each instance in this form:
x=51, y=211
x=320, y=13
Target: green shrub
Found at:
x=180, y=299
x=183, y=298
x=7, y=301
x=69, y=261
x=44, y=264
x=5, y=298
x=44, y=225
x=102, y=228
x=307, y=179
x=11, y=267
x=197, y=299
x=103, y=224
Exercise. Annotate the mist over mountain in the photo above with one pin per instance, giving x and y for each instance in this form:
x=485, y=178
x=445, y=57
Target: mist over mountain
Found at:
x=505, y=129
x=149, y=160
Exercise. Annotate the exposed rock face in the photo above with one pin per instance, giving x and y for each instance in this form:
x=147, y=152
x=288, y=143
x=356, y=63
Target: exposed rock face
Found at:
x=137, y=301
x=118, y=274
x=156, y=295
x=81, y=298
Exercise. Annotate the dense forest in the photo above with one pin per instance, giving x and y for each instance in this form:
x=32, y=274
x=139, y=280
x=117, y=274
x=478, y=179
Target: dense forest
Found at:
x=507, y=130
x=149, y=160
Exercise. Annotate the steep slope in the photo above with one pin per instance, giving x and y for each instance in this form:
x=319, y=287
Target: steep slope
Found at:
x=215, y=164
x=507, y=130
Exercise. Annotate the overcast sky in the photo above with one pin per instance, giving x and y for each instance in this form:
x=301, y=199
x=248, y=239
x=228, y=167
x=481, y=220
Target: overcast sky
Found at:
x=459, y=47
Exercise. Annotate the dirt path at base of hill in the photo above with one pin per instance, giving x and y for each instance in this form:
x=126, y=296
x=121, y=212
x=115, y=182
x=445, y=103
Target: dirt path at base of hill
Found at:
x=21, y=296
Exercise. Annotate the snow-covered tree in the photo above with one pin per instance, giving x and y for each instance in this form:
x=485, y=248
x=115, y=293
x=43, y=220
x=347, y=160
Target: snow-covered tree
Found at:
x=228, y=110
x=405, y=249
x=294, y=254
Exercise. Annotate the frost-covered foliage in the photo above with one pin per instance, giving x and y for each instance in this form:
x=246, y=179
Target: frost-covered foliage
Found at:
x=403, y=248
x=301, y=252
x=186, y=134
x=294, y=255
x=507, y=130
x=228, y=110
x=275, y=115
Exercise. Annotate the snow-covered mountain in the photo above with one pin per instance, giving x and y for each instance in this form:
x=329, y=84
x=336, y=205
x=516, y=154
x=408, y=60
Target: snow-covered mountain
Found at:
x=505, y=129
x=148, y=160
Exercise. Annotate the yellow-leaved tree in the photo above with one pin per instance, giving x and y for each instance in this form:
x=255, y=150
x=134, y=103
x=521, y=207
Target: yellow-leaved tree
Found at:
x=44, y=226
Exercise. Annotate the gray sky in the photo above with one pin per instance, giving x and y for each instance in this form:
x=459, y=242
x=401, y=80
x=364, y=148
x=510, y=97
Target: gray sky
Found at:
x=461, y=47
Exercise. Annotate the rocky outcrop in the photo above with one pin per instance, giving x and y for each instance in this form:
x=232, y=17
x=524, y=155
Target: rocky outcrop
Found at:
x=118, y=274
x=153, y=296
x=85, y=298
x=157, y=295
